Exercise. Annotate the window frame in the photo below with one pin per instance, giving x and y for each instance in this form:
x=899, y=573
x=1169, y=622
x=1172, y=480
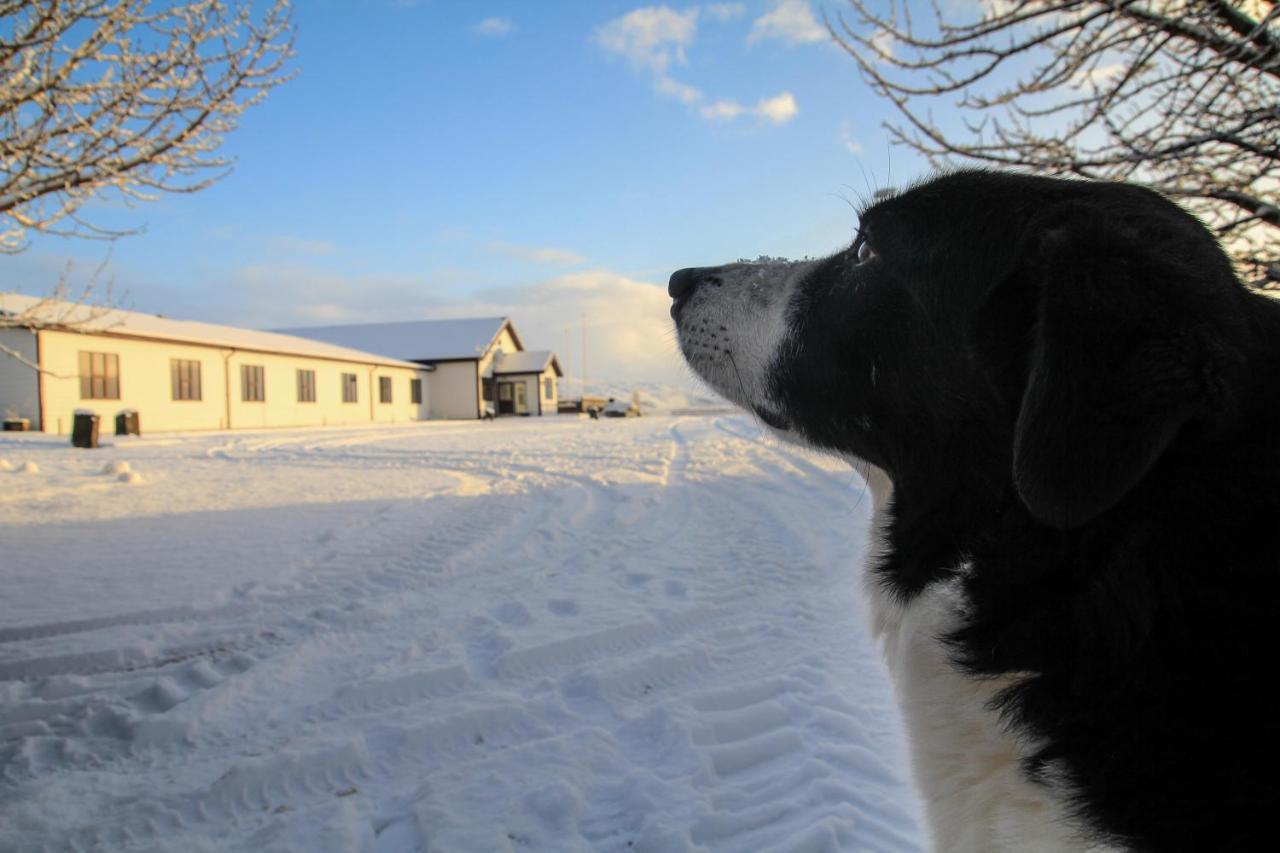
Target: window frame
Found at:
x=384, y=390
x=306, y=385
x=253, y=383
x=98, y=384
x=415, y=390
x=185, y=380
x=350, y=387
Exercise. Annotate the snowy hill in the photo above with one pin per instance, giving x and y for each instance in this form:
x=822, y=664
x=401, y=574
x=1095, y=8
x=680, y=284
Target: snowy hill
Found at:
x=654, y=397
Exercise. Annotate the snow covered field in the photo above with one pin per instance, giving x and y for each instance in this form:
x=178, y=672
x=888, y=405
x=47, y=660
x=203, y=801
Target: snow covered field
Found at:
x=533, y=635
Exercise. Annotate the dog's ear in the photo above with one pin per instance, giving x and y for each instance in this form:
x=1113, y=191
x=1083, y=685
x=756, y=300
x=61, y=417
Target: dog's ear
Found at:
x=1122, y=356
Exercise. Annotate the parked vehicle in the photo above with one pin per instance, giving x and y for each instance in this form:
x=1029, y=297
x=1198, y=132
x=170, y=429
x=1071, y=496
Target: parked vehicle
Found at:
x=620, y=409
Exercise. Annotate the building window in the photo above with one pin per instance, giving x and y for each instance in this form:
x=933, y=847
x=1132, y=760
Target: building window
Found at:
x=184, y=378
x=548, y=388
x=415, y=391
x=306, y=386
x=384, y=389
x=487, y=389
x=350, y=388
x=99, y=376
x=253, y=387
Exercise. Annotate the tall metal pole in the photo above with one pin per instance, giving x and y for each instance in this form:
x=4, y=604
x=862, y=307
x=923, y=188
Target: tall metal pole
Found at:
x=567, y=364
x=584, y=355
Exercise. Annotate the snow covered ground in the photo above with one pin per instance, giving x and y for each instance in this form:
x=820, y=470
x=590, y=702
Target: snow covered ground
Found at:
x=534, y=635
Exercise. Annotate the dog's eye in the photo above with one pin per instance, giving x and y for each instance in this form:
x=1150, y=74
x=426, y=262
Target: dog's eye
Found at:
x=865, y=252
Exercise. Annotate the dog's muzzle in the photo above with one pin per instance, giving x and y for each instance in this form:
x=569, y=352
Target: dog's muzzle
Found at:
x=729, y=337
x=682, y=285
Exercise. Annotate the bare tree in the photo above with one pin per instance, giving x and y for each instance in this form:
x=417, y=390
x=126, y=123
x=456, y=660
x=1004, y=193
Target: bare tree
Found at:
x=1180, y=95
x=125, y=99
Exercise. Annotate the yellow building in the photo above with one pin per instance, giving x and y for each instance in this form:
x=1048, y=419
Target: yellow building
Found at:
x=57, y=358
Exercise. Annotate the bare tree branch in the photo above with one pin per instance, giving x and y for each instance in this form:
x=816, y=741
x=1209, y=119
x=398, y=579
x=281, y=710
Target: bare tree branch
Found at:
x=65, y=308
x=124, y=98
x=1180, y=95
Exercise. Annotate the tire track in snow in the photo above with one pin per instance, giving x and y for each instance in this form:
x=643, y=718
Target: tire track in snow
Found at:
x=752, y=763
x=141, y=617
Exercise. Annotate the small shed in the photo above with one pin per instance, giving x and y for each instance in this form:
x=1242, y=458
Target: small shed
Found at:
x=525, y=382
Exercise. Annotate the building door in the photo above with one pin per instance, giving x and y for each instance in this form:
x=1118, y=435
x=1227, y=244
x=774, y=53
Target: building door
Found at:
x=506, y=404
x=522, y=398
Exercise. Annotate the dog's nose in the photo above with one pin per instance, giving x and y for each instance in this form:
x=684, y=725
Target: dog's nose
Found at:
x=683, y=282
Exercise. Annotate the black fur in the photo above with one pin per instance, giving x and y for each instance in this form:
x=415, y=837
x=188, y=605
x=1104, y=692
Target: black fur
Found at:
x=1074, y=395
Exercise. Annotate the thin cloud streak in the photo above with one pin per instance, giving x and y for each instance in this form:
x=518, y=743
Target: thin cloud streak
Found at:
x=494, y=27
x=538, y=255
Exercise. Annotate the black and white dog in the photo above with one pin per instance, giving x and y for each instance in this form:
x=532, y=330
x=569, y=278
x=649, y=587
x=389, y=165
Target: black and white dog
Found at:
x=1068, y=410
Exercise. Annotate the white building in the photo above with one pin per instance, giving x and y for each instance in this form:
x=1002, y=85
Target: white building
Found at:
x=182, y=375
x=478, y=363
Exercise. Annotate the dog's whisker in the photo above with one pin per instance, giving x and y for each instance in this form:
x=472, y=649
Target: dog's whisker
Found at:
x=741, y=385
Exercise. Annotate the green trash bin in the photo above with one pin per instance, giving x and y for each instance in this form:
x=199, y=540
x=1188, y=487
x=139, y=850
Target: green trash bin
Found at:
x=127, y=423
x=84, y=430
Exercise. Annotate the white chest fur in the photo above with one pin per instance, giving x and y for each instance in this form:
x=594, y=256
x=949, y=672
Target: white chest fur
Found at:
x=965, y=761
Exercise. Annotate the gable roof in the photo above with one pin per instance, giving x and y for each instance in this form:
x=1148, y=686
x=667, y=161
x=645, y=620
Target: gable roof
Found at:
x=417, y=340
x=526, y=361
x=91, y=319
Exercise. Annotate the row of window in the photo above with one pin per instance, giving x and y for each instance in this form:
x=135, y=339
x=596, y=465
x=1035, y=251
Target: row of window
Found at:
x=100, y=380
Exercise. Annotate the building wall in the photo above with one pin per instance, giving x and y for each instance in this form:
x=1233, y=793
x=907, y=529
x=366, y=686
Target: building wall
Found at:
x=145, y=385
x=455, y=391
x=19, y=383
x=281, y=406
x=550, y=402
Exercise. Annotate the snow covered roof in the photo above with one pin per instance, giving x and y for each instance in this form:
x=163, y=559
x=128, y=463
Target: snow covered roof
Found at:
x=416, y=340
x=88, y=318
x=526, y=361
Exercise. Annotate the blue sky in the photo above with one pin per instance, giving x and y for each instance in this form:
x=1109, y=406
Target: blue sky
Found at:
x=543, y=160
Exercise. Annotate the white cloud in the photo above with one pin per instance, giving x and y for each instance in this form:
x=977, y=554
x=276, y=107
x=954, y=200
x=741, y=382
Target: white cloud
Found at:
x=724, y=11
x=791, y=21
x=682, y=92
x=655, y=38
x=539, y=255
x=722, y=111
x=883, y=42
x=494, y=27
x=651, y=38
x=779, y=109
x=848, y=141
x=629, y=332
x=1095, y=77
